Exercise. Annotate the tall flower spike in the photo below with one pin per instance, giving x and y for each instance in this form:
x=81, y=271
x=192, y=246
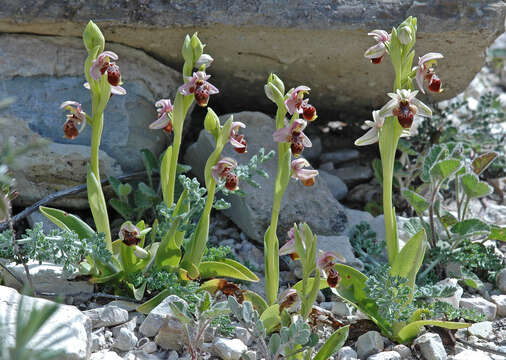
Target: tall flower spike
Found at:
x=306, y=176
x=77, y=117
x=164, y=116
x=199, y=86
x=238, y=141
x=293, y=134
x=405, y=105
x=295, y=100
x=376, y=52
x=425, y=70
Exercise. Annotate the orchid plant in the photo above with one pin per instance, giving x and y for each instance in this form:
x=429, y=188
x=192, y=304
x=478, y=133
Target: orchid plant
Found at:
x=291, y=141
x=391, y=122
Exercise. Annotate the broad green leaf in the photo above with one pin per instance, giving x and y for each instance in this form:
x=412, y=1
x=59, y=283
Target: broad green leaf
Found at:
x=258, y=302
x=274, y=343
x=410, y=331
x=211, y=269
x=247, y=272
x=122, y=208
x=271, y=256
x=124, y=190
x=270, y=318
x=98, y=206
x=149, y=305
x=333, y=343
x=447, y=219
x=473, y=187
x=482, y=162
x=410, y=258
x=445, y=168
x=310, y=281
x=115, y=183
x=471, y=227
x=138, y=293
x=413, y=226
x=497, y=233
x=430, y=159
x=66, y=221
x=416, y=201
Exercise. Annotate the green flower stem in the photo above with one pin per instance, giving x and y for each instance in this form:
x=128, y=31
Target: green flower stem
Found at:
x=271, y=243
x=389, y=137
x=181, y=106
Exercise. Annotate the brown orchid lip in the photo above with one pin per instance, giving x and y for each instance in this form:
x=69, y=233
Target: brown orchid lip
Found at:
x=377, y=60
x=70, y=130
x=231, y=181
x=308, y=182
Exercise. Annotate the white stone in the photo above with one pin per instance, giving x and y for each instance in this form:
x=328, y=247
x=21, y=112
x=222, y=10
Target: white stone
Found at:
x=105, y=355
x=340, y=244
x=482, y=330
x=243, y=335
x=67, y=320
x=471, y=355
x=149, y=347
x=140, y=355
x=126, y=340
x=403, y=350
x=480, y=305
x=385, y=355
x=341, y=309
x=369, y=343
x=130, y=325
x=173, y=355
x=250, y=355
x=46, y=278
x=431, y=347
x=500, y=301
x=346, y=353
x=453, y=300
x=97, y=342
x=500, y=280
x=107, y=316
x=229, y=349
x=156, y=317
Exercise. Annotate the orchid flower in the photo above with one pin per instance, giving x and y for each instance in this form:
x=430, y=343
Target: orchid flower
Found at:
x=306, y=176
x=293, y=134
x=204, y=60
x=76, y=117
x=375, y=53
x=223, y=170
x=371, y=136
x=199, y=86
x=424, y=70
x=102, y=65
x=404, y=105
x=237, y=141
x=289, y=247
x=164, y=116
x=308, y=111
x=295, y=100
x=326, y=262
x=129, y=234
x=289, y=300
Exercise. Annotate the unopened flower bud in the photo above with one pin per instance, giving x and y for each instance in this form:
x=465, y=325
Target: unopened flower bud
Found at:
x=211, y=121
x=405, y=34
x=93, y=37
x=197, y=46
x=205, y=60
x=140, y=252
x=187, y=50
x=273, y=93
x=274, y=79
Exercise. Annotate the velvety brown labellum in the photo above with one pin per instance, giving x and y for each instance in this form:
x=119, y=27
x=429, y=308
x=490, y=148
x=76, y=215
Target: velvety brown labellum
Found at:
x=231, y=181
x=333, y=277
x=308, y=182
x=288, y=301
x=240, y=139
x=168, y=128
x=70, y=130
x=309, y=112
x=113, y=74
x=202, y=95
x=405, y=114
x=435, y=84
x=130, y=237
x=377, y=60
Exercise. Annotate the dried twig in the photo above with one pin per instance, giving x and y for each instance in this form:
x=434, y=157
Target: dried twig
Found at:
x=57, y=195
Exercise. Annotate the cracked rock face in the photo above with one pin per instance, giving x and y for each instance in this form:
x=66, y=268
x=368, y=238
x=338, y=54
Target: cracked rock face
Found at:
x=319, y=43
x=42, y=72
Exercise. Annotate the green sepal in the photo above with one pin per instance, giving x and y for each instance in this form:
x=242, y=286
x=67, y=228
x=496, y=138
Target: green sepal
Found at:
x=98, y=206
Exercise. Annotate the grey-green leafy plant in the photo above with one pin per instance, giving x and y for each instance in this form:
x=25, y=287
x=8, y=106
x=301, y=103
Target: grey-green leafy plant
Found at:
x=368, y=249
x=28, y=324
x=446, y=167
x=291, y=341
x=198, y=320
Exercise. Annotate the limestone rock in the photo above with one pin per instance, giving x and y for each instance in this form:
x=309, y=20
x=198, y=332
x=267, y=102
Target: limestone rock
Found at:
x=337, y=187
x=480, y=305
x=340, y=244
x=369, y=344
x=229, y=349
x=47, y=278
x=250, y=39
x=107, y=316
x=455, y=299
x=78, y=327
x=500, y=280
x=500, y=301
x=482, y=330
x=431, y=347
x=385, y=355
x=252, y=213
x=40, y=84
x=346, y=353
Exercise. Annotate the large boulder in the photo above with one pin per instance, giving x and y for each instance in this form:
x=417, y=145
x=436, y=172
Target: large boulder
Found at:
x=318, y=43
x=67, y=321
x=42, y=72
x=315, y=205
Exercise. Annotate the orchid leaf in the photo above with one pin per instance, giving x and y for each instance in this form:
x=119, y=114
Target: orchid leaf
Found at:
x=410, y=331
x=229, y=268
x=164, y=173
x=333, y=343
x=270, y=318
x=98, y=206
x=310, y=281
x=67, y=221
x=149, y=305
x=256, y=300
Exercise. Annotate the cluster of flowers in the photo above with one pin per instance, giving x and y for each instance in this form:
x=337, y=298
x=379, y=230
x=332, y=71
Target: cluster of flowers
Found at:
x=293, y=134
x=326, y=260
x=101, y=66
x=403, y=104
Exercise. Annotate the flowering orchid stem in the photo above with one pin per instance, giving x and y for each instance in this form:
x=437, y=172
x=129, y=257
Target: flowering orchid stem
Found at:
x=96, y=135
x=389, y=137
x=271, y=243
